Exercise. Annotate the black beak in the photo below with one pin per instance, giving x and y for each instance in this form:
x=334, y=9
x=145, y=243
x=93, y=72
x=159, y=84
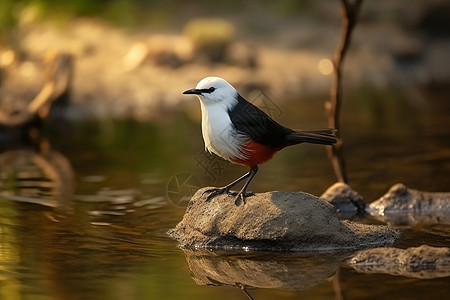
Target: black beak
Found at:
x=193, y=91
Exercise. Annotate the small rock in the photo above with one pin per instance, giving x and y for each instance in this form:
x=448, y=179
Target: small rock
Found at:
x=415, y=262
x=404, y=206
x=171, y=51
x=210, y=37
x=242, y=55
x=273, y=221
x=344, y=198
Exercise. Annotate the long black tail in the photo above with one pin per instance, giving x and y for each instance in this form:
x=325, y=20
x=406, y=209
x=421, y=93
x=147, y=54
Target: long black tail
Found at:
x=314, y=136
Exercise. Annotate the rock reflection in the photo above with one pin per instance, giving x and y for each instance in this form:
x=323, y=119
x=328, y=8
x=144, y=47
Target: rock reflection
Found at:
x=288, y=271
x=422, y=262
x=36, y=174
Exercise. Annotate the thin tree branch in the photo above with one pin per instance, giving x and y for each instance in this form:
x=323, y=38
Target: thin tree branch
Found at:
x=350, y=11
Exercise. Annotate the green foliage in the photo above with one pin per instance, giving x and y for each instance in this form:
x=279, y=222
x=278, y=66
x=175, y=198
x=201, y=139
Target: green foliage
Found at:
x=210, y=36
x=70, y=8
x=287, y=7
x=15, y=12
x=7, y=20
x=128, y=13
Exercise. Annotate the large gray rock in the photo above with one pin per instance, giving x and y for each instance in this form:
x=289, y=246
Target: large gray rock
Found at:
x=292, y=221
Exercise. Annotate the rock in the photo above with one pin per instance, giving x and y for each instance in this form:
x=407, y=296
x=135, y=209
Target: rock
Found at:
x=400, y=198
x=288, y=271
x=171, y=51
x=416, y=262
x=242, y=55
x=18, y=111
x=273, y=221
x=344, y=198
x=210, y=37
x=402, y=205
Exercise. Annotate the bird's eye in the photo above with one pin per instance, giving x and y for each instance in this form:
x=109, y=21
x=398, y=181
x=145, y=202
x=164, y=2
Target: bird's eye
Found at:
x=208, y=91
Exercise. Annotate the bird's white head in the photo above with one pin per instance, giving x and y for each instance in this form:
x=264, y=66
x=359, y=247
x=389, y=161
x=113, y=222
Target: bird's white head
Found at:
x=211, y=90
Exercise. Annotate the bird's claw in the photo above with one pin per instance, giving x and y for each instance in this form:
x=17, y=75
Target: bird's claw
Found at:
x=240, y=198
x=214, y=192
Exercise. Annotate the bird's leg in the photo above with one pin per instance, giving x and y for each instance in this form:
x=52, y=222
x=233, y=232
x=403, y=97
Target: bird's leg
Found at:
x=243, y=192
x=226, y=189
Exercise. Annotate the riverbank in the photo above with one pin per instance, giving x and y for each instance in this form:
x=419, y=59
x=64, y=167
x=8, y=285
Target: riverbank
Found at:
x=141, y=74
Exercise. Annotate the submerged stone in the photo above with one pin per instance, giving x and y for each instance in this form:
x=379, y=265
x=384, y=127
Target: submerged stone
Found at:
x=292, y=221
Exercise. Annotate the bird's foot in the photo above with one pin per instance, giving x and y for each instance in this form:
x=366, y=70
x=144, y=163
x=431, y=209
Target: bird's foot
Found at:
x=240, y=197
x=215, y=191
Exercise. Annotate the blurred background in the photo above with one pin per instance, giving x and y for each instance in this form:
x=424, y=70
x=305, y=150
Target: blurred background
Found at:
x=100, y=151
x=134, y=57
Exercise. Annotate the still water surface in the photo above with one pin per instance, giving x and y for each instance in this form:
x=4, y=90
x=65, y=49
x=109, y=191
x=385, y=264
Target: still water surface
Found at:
x=84, y=214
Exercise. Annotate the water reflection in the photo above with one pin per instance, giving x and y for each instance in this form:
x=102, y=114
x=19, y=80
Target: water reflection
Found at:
x=287, y=271
x=415, y=219
x=63, y=245
x=300, y=271
x=35, y=173
x=93, y=252
x=422, y=262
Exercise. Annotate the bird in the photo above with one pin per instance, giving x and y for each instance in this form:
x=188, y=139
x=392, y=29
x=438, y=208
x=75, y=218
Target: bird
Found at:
x=238, y=131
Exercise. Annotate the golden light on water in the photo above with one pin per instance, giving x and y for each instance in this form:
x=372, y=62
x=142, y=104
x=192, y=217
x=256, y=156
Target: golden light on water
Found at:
x=325, y=66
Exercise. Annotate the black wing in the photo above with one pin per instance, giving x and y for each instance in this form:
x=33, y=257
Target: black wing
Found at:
x=252, y=121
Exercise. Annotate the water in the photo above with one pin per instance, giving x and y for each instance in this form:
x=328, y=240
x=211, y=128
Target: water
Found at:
x=84, y=212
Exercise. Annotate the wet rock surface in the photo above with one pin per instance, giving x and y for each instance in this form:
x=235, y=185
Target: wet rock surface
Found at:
x=400, y=198
x=292, y=221
x=417, y=262
x=404, y=206
x=346, y=200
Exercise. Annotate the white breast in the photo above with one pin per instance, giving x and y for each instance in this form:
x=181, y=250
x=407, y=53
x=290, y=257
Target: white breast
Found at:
x=218, y=133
